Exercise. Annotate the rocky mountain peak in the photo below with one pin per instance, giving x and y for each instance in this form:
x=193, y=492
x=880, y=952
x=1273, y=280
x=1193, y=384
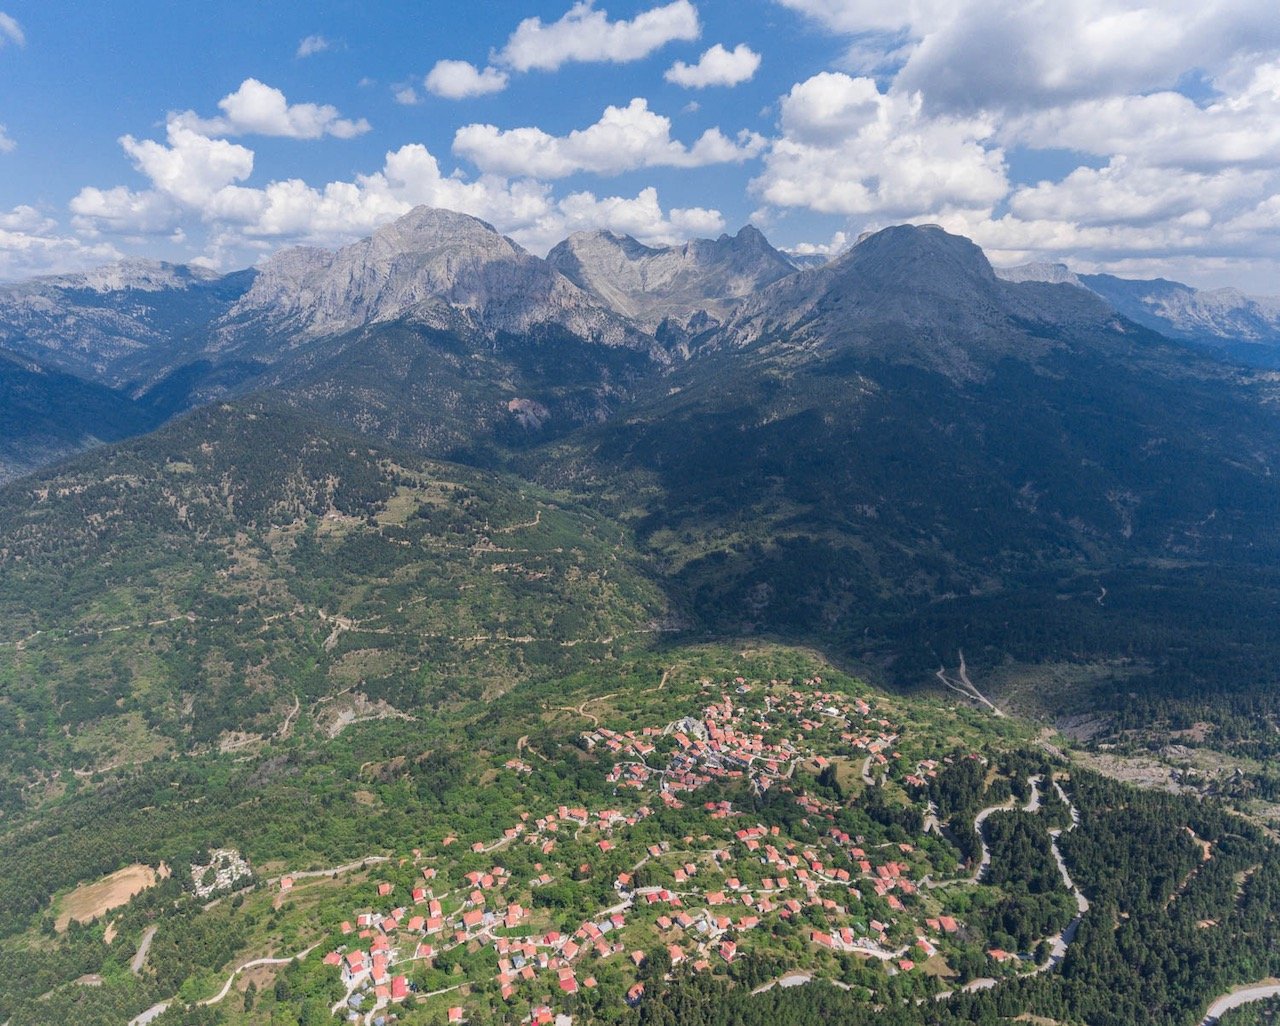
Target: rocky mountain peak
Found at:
x=702, y=278
x=924, y=257
x=915, y=294
x=446, y=269
x=136, y=274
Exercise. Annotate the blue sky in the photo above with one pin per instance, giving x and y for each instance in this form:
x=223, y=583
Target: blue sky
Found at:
x=1112, y=135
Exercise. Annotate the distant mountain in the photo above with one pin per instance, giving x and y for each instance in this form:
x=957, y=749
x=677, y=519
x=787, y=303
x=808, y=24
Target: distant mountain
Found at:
x=1241, y=327
x=1048, y=273
x=693, y=285
x=1245, y=327
x=47, y=414
x=808, y=261
x=123, y=325
x=447, y=271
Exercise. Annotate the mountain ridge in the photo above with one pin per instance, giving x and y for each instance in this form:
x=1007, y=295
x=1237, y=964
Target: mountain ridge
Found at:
x=447, y=270
x=702, y=278
x=1242, y=327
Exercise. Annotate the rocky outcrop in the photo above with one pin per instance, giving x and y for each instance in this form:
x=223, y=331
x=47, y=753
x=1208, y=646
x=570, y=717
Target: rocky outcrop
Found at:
x=440, y=268
x=703, y=279
x=1048, y=273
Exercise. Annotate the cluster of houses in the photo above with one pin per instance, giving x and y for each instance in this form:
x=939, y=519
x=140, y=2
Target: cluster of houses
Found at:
x=847, y=895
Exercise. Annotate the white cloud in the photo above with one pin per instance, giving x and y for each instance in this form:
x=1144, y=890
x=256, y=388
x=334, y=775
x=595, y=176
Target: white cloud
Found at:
x=625, y=138
x=406, y=96
x=7, y=145
x=26, y=219
x=1240, y=127
x=260, y=109
x=121, y=211
x=1003, y=54
x=455, y=80
x=716, y=67
x=312, y=45
x=191, y=168
x=30, y=244
x=1124, y=193
x=193, y=180
x=587, y=34
x=641, y=217
x=847, y=148
x=838, y=244
x=11, y=31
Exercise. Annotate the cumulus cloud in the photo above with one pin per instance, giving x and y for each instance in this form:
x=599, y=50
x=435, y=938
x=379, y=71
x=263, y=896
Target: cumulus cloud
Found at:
x=30, y=244
x=11, y=31
x=121, y=211
x=7, y=145
x=1189, y=176
x=191, y=168
x=586, y=34
x=1125, y=193
x=716, y=67
x=455, y=80
x=838, y=243
x=958, y=52
x=847, y=148
x=259, y=109
x=406, y=96
x=1239, y=127
x=312, y=45
x=192, y=179
x=583, y=34
x=625, y=138
x=641, y=217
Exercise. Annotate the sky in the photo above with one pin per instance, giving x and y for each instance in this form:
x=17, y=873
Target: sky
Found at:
x=1142, y=139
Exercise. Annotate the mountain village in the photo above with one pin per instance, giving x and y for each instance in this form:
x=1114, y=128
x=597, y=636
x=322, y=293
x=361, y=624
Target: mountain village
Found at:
x=702, y=901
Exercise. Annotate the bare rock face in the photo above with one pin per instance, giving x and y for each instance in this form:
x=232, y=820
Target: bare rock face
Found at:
x=703, y=279
x=444, y=269
x=1048, y=273
x=1246, y=326
x=139, y=275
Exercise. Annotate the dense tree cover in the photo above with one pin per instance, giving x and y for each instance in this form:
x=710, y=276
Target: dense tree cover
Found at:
x=1036, y=903
x=1142, y=953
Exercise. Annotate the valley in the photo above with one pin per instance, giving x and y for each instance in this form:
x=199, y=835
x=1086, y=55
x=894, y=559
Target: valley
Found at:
x=641, y=635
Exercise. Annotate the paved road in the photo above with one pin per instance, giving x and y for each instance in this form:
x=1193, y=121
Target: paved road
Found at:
x=1246, y=996
x=140, y=958
x=154, y=1012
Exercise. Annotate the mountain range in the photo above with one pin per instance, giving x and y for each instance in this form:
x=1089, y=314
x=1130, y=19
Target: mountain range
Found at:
x=1243, y=328
x=898, y=454
x=338, y=559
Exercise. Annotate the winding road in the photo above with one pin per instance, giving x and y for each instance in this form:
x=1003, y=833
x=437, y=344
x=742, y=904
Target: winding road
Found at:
x=157, y=1010
x=1238, y=999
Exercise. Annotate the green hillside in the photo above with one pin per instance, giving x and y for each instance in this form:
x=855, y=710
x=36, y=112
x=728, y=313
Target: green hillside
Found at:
x=1178, y=892
x=246, y=573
